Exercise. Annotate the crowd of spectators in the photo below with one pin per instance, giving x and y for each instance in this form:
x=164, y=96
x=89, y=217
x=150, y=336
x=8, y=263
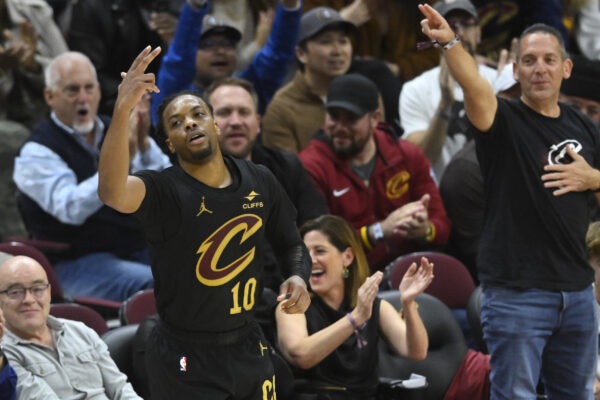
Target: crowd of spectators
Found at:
x=348, y=103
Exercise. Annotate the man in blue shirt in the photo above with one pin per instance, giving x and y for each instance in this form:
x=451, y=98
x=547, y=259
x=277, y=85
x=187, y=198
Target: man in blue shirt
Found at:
x=56, y=173
x=204, y=52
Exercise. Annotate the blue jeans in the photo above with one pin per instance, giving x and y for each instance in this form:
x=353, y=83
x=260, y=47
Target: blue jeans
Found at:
x=106, y=276
x=532, y=332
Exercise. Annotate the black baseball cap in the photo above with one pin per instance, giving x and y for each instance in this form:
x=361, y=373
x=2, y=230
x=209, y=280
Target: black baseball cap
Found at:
x=444, y=7
x=213, y=24
x=353, y=92
x=319, y=18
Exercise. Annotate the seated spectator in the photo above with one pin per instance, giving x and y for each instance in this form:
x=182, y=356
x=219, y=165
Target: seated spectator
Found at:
x=8, y=376
x=386, y=31
x=234, y=102
x=29, y=39
x=56, y=173
x=381, y=185
x=204, y=50
x=335, y=343
x=54, y=358
x=253, y=19
x=431, y=105
x=112, y=32
x=324, y=51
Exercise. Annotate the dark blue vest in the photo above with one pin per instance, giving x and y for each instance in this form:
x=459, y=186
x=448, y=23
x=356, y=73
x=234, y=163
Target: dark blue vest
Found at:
x=104, y=231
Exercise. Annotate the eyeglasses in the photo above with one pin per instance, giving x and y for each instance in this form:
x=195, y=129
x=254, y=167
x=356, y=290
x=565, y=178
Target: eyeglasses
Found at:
x=211, y=44
x=18, y=293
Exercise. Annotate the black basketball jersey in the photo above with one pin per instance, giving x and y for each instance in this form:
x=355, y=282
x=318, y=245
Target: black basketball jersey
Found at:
x=205, y=243
x=530, y=237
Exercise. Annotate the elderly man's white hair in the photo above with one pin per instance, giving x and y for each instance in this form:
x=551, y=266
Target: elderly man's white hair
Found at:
x=52, y=74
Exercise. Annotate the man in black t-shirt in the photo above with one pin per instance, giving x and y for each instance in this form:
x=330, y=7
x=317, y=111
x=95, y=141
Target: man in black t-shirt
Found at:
x=205, y=220
x=539, y=160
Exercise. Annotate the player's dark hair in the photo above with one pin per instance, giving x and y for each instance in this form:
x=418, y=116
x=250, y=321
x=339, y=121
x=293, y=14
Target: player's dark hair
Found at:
x=161, y=132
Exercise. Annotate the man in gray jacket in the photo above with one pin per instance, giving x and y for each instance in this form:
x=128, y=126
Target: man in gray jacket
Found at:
x=54, y=358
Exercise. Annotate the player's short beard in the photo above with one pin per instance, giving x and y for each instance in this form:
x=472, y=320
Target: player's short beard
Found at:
x=204, y=154
x=85, y=128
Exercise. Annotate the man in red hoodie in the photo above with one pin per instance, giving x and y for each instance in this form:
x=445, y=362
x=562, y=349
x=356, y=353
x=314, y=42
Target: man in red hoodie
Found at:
x=381, y=184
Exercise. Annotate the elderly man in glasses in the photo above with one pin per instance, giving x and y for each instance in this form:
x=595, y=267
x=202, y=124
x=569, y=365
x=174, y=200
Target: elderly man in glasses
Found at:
x=54, y=358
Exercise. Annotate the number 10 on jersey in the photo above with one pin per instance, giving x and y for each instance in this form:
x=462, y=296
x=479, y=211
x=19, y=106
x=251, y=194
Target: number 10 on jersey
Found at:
x=247, y=299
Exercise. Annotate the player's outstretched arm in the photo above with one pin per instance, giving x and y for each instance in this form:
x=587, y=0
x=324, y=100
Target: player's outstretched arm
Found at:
x=116, y=188
x=480, y=100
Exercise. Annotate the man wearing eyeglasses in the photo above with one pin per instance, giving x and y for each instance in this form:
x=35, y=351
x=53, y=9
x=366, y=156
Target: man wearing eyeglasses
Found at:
x=431, y=105
x=54, y=358
x=204, y=50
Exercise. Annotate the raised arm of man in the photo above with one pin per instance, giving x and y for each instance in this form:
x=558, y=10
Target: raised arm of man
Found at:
x=479, y=98
x=116, y=188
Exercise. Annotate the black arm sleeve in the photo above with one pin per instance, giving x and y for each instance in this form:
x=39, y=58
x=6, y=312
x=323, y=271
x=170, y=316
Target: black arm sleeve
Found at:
x=297, y=262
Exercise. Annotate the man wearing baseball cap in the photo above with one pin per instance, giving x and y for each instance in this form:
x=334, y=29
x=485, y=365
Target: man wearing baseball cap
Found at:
x=323, y=52
x=204, y=50
x=431, y=105
x=379, y=183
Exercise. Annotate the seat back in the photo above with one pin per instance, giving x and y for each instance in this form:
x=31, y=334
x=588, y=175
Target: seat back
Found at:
x=474, y=318
x=22, y=249
x=80, y=313
x=452, y=284
x=136, y=308
x=447, y=347
x=120, y=346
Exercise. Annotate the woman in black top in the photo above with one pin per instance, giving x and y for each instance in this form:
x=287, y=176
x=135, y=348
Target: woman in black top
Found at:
x=334, y=345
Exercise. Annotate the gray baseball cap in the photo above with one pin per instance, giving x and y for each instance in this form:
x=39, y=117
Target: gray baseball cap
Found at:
x=319, y=18
x=444, y=7
x=213, y=24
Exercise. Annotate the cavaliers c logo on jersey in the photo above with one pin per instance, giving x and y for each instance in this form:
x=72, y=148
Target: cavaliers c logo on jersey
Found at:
x=397, y=185
x=207, y=269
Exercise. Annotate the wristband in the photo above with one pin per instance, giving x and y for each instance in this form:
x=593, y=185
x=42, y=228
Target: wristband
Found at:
x=451, y=43
x=360, y=341
x=430, y=233
x=364, y=235
x=377, y=231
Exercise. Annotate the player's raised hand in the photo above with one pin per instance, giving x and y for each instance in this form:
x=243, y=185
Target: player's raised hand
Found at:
x=136, y=81
x=434, y=25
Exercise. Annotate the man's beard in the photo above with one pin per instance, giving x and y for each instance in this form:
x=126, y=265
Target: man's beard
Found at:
x=346, y=152
x=353, y=149
x=85, y=128
x=242, y=153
